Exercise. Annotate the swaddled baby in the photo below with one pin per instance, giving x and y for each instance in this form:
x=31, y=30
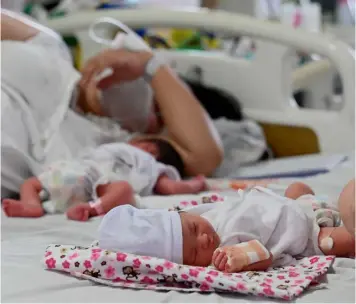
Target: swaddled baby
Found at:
x=260, y=230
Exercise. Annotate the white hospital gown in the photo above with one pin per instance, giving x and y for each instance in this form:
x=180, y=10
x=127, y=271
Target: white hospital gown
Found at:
x=39, y=125
x=284, y=226
x=70, y=181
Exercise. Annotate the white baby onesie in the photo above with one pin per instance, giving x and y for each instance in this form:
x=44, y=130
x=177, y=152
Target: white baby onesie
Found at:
x=126, y=162
x=282, y=225
x=104, y=164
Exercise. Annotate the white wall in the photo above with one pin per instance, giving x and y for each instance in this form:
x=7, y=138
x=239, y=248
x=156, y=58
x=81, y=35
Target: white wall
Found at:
x=258, y=8
x=14, y=5
x=238, y=6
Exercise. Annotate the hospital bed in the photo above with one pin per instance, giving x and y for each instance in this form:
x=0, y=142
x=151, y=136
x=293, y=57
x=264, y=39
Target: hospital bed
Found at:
x=264, y=86
x=24, y=278
x=267, y=100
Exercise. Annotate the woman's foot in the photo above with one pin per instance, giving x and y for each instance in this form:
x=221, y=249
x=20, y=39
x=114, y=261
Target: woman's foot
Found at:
x=15, y=208
x=79, y=212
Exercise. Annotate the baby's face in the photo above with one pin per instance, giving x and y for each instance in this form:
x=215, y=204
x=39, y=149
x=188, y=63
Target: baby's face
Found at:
x=199, y=240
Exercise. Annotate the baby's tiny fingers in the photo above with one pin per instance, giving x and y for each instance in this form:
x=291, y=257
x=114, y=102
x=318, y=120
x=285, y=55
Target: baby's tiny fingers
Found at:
x=215, y=254
x=223, y=263
x=218, y=258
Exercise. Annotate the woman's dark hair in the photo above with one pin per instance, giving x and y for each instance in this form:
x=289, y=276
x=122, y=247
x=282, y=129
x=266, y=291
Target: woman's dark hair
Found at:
x=217, y=103
x=168, y=155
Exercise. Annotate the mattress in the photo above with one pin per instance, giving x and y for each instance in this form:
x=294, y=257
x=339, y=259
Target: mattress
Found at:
x=25, y=280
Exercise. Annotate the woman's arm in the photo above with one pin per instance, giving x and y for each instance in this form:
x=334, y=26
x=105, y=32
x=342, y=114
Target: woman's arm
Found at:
x=17, y=27
x=190, y=129
x=188, y=125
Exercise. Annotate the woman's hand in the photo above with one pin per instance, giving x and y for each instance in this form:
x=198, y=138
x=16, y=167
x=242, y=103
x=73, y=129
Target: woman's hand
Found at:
x=126, y=66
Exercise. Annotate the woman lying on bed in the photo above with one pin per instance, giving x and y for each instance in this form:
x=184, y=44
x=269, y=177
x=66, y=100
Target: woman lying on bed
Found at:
x=44, y=98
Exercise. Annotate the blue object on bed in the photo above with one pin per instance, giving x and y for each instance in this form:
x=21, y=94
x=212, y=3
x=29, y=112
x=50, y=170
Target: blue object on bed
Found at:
x=299, y=166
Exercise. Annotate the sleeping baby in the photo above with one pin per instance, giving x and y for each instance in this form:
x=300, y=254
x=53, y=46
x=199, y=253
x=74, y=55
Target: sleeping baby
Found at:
x=260, y=230
x=103, y=178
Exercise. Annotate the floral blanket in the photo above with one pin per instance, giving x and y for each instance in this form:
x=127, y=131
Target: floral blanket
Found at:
x=119, y=269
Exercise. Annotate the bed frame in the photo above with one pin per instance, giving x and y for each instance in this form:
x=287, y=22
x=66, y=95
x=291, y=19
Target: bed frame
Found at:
x=264, y=86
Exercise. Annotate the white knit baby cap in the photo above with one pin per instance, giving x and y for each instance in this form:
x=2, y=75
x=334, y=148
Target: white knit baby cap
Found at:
x=128, y=103
x=147, y=232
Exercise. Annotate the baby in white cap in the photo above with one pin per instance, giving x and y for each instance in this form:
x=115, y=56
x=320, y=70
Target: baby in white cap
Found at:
x=260, y=230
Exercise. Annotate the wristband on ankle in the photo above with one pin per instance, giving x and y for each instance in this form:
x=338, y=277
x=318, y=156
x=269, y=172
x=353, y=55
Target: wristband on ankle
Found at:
x=97, y=206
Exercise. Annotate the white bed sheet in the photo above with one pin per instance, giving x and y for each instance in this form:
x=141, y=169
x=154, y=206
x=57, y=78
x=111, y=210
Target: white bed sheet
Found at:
x=25, y=280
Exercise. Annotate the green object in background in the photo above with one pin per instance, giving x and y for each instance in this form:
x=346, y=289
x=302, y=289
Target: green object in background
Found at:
x=74, y=45
x=71, y=41
x=28, y=8
x=192, y=43
x=57, y=14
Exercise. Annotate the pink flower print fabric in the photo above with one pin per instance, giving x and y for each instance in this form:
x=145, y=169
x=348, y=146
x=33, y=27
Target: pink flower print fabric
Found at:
x=202, y=199
x=118, y=269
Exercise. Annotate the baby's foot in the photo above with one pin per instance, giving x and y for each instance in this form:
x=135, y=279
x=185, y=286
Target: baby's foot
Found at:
x=15, y=208
x=79, y=212
x=197, y=184
x=220, y=260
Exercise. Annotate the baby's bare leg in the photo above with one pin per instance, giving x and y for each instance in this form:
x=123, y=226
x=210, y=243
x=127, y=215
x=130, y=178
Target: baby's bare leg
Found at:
x=297, y=189
x=111, y=195
x=167, y=186
x=343, y=242
x=29, y=204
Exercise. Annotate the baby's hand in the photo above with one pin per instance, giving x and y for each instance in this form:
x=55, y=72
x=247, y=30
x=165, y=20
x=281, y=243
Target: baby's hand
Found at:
x=230, y=259
x=241, y=256
x=219, y=260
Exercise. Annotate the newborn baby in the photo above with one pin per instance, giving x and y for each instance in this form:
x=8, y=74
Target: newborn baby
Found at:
x=104, y=177
x=260, y=230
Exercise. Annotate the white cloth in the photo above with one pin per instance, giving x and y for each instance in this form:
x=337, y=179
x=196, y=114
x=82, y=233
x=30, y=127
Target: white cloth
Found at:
x=38, y=126
x=285, y=227
x=129, y=103
x=125, y=162
x=244, y=143
x=33, y=105
x=156, y=233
